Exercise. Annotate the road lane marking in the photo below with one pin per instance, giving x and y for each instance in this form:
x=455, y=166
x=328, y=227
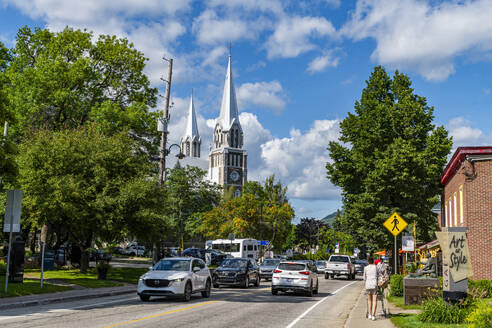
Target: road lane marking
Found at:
x=316, y=304
x=161, y=314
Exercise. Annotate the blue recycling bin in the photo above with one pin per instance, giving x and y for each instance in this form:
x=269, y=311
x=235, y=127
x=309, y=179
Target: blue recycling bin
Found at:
x=49, y=260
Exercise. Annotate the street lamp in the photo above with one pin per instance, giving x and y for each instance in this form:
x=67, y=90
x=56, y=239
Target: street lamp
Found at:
x=180, y=155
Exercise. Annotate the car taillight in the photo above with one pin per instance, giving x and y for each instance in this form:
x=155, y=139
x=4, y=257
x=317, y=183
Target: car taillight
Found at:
x=277, y=271
x=304, y=272
x=348, y=266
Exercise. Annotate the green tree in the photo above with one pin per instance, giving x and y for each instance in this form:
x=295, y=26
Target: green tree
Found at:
x=65, y=79
x=329, y=237
x=308, y=231
x=79, y=182
x=189, y=195
x=8, y=168
x=389, y=158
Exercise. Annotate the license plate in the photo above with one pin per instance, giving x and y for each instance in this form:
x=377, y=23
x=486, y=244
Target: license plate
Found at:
x=289, y=279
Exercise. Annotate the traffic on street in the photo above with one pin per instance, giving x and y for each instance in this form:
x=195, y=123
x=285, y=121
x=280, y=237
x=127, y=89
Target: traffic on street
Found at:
x=226, y=307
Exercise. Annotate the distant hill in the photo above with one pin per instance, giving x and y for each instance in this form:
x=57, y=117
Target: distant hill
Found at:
x=330, y=218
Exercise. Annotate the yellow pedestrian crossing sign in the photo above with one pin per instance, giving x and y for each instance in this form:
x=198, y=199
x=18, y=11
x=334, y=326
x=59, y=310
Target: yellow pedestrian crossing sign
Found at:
x=395, y=224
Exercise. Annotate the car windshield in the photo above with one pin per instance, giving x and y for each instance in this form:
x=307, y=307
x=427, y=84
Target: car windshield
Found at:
x=270, y=263
x=292, y=266
x=173, y=265
x=232, y=263
x=339, y=259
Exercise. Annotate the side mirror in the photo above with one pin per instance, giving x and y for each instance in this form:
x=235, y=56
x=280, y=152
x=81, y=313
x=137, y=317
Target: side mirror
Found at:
x=196, y=269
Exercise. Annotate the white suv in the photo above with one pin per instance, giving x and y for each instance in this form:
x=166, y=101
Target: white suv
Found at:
x=295, y=276
x=181, y=276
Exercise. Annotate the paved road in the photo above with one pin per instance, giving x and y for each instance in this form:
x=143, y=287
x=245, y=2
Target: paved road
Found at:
x=228, y=307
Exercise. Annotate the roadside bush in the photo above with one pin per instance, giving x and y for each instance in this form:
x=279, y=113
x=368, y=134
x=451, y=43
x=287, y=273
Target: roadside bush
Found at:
x=481, y=317
x=396, y=285
x=435, y=310
x=3, y=267
x=301, y=257
x=480, y=288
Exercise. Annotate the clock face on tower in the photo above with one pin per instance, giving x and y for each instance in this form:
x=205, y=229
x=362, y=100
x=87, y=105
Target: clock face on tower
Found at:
x=234, y=176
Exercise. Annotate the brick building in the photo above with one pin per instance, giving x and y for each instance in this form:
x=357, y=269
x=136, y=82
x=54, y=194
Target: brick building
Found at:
x=466, y=201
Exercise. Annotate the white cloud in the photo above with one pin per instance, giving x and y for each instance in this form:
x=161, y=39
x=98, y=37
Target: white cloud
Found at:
x=426, y=36
x=211, y=29
x=333, y=3
x=300, y=160
x=273, y=6
x=320, y=63
x=292, y=35
x=262, y=94
x=463, y=134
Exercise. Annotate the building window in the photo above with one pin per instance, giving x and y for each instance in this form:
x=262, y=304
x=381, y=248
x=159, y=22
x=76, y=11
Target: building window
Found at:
x=461, y=204
x=446, y=215
x=455, y=210
x=450, y=213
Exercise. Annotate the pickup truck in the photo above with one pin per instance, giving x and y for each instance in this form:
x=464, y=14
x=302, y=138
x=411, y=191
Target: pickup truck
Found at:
x=339, y=265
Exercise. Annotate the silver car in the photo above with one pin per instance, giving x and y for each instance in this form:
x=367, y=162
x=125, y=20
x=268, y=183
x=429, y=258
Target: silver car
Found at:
x=295, y=276
x=181, y=276
x=267, y=267
x=320, y=266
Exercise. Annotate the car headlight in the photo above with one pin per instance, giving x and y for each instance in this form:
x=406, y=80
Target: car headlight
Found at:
x=175, y=281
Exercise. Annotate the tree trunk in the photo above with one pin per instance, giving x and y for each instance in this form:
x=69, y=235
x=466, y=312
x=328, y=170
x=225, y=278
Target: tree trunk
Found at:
x=84, y=260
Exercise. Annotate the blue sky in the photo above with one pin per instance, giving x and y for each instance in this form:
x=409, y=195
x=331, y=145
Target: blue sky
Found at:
x=298, y=67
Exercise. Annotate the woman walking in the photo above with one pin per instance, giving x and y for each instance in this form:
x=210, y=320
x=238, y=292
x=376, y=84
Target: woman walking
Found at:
x=371, y=279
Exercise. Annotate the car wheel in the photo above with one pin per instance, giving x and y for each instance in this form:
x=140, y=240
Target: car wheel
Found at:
x=274, y=291
x=315, y=292
x=246, y=282
x=327, y=276
x=310, y=290
x=257, y=281
x=206, y=292
x=187, y=292
x=144, y=298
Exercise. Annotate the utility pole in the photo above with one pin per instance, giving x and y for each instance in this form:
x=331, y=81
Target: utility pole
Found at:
x=163, y=146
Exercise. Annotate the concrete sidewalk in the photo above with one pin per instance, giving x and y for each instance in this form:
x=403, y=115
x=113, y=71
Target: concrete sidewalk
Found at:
x=357, y=317
x=39, y=299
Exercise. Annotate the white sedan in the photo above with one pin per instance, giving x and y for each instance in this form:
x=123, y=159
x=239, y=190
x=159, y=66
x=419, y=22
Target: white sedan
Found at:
x=175, y=277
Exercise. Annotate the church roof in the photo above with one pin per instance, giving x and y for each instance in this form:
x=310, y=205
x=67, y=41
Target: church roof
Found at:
x=191, y=125
x=228, y=109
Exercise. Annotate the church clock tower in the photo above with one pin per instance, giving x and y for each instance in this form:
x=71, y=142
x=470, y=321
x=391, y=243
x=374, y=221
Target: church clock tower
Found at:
x=228, y=164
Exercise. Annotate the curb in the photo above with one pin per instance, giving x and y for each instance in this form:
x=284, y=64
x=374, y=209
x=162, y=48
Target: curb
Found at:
x=66, y=298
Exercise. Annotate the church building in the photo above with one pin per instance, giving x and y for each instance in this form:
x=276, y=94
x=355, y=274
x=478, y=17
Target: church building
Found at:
x=227, y=160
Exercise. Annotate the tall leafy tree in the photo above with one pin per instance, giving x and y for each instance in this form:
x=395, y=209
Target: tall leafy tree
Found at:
x=389, y=158
x=308, y=231
x=65, y=79
x=78, y=182
x=7, y=148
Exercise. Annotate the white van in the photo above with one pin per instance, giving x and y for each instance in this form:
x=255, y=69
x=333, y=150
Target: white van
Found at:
x=238, y=247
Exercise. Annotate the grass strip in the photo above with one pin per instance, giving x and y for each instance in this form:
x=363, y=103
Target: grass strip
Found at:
x=405, y=320
x=400, y=302
x=74, y=276
x=29, y=287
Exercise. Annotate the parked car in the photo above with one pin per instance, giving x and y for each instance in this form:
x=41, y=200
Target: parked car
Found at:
x=135, y=250
x=119, y=250
x=237, y=271
x=295, y=276
x=216, y=256
x=360, y=265
x=267, y=267
x=100, y=255
x=175, y=276
x=339, y=265
x=320, y=265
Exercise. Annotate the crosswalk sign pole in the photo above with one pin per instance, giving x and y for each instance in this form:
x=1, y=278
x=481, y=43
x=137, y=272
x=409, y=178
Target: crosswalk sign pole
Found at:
x=396, y=258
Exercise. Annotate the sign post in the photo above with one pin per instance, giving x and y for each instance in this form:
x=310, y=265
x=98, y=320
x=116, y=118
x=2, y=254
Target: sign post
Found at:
x=12, y=215
x=395, y=224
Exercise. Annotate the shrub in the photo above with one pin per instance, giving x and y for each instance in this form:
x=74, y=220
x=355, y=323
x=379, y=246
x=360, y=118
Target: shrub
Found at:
x=435, y=310
x=396, y=285
x=481, y=317
x=3, y=267
x=480, y=288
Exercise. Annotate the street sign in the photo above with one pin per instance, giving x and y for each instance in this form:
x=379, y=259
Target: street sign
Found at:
x=13, y=210
x=337, y=248
x=407, y=244
x=263, y=242
x=231, y=236
x=395, y=224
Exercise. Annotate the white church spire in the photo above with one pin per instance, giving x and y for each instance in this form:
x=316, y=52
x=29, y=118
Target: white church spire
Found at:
x=192, y=126
x=191, y=141
x=228, y=109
